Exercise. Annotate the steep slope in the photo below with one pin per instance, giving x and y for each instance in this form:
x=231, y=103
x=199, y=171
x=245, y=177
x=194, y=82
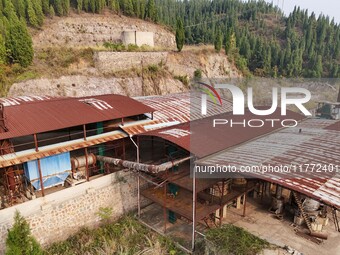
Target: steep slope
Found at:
x=70, y=60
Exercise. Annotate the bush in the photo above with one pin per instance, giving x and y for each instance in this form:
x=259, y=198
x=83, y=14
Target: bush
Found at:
x=114, y=46
x=230, y=239
x=153, y=68
x=183, y=78
x=19, y=240
x=133, y=47
x=198, y=74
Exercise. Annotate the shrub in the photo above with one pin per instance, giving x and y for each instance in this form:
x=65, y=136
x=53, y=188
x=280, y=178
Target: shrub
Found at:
x=183, y=78
x=198, y=74
x=153, y=68
x=230, y=239
x=19, y=240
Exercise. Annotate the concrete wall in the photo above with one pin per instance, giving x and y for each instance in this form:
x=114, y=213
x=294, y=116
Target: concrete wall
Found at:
x=60, y=214
x=138, y=38
x=108, y=62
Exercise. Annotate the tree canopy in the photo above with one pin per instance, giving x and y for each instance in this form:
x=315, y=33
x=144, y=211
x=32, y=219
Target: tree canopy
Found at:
x=254, y=33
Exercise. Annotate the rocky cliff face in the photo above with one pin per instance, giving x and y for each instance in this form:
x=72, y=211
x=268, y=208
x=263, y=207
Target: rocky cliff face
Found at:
x=94, y=29
x=161, y=70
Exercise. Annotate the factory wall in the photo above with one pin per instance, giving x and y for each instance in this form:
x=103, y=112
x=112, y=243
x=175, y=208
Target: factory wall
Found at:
x=60, y=214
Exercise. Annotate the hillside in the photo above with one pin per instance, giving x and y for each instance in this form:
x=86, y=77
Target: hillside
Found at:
x=62, y=67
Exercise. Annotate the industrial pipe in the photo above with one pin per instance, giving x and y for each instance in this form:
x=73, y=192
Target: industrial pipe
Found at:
x=140, y=166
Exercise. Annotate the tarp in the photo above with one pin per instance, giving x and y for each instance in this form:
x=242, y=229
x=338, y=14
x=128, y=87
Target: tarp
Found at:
x=53, y=170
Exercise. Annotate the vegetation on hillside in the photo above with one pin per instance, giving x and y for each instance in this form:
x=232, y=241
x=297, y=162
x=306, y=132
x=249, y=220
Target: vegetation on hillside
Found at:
x=230, y=239
x=126, y=236
x=255, y=34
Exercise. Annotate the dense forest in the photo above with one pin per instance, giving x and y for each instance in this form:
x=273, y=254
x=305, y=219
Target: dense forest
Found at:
x=255, y=34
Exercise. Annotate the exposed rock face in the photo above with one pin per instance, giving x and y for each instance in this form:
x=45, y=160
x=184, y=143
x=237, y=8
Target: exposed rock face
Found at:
x=78, y=85
x=95, y=29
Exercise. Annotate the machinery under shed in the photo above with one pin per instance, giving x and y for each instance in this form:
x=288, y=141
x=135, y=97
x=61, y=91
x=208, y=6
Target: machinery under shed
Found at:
x=52, y=143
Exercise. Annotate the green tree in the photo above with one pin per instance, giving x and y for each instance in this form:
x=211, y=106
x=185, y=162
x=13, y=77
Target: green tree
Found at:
x=2, y=50
x=79, y=5
x=19, y=240
x=58, y=7
x=66, y=7
x=37, y=6
x=46, y=6
x=218, y=41
x=20, y=8
x=19, y=43
x=52, y=12
x=92, y=6
x=32, y=17
x=318, y=67
x=128, y=7
x=180, y=35
x=151, y=11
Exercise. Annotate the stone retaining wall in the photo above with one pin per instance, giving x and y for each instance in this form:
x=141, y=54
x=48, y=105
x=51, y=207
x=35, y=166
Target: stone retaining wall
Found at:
x=60, y=214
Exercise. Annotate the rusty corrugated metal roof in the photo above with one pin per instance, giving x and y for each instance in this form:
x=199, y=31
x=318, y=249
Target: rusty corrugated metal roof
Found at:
x=28, y=155
x=334, y=126
x=183, y=107
x=205, y=140
x=314, y=144
x=178, y=134
x=173, y=109
x=39, y=116
x=18, y=100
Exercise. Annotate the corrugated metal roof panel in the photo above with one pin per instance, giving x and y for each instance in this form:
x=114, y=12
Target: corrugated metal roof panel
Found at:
x=173, y=109
x=206, y=140
x=45, y=151
x=313, y=145
x=53, y=114
x=183, y=107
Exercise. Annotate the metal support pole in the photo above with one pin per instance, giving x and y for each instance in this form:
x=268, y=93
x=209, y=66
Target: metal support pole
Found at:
x=193, y=209
x=41, y=179
x=84, y=130
x=138, y=178
x=124, y=157
x=245, y=201
x=36, y=142
x=221, y=205
x=87, y=165
x=244, y=204
x=164, y=208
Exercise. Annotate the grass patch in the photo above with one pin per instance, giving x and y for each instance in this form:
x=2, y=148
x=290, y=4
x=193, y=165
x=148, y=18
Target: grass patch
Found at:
x=230, y=239
x=64, y=57
x=127, y=236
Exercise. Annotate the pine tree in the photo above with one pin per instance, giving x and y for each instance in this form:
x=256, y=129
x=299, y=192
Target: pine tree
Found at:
x=2, y=50
x=218, y=41
x=128, y=7
x=37, y=6
x=19, y=240
x=52, y=12
x=318, y=67
x=20, y=8
x=19, y=43
x=180, y=35
x=58, y=7
x=151, y=11
x=32, y=17
x=79, y=5
x=86, y=5
x=66, y=7
x=92, y=6
x=46, y=7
